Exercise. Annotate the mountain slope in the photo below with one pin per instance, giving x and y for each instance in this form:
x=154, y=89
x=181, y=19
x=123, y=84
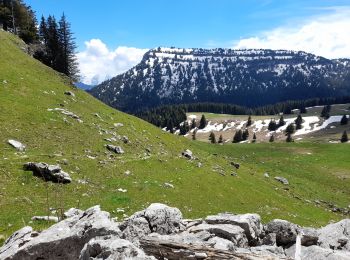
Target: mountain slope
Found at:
x=30, y=94
x=243, y=77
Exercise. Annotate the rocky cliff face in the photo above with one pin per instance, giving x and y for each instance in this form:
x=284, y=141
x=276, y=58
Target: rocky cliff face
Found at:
x=244, y=77
x=160, y=232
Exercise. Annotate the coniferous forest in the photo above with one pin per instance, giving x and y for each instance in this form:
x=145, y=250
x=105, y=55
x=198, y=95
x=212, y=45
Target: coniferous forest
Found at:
x=171, y=116
x=51, y=42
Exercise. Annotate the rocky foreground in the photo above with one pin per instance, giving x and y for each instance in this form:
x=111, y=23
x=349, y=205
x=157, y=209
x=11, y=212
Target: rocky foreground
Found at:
x=160, y=232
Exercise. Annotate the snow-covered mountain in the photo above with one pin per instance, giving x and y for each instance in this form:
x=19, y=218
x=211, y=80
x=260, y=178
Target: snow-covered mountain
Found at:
x=245, y=77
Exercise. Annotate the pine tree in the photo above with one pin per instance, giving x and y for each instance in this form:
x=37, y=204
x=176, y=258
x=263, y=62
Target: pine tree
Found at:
x=289, y=138
x=53, y=45
x=221, y=139
x=344, y=137
x=344, y=120
x=202, y=122
x=184, y=128
x=254, y=138
x=325, y=111
x=238, y=137
x=249, y=121
x=298, y=122
x=272, y=139
x=212, y=138
x=281, y=122
x=67, y=59
x=272, y=125
x=245, y=134
x=193, y=123
x=290, y=129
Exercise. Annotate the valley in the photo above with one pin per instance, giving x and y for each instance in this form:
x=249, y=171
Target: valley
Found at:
x=73, y=131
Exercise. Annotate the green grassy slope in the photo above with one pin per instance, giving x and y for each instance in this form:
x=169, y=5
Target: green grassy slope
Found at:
x=28, y=89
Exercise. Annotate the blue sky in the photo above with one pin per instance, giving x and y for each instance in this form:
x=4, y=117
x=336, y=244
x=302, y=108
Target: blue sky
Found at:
x=145, y=24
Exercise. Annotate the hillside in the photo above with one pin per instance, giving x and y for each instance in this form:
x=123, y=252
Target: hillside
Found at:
x=242, y=77
x=36, y=111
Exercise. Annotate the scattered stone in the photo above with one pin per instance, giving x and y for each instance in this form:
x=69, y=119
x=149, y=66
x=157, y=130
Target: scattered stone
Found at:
x=122, y=190
x=199, y=165
x=69, y=93
x=67, y=113
x=282, y=180
x=168, y=185
x=266, y=175
x=48, y=172
x=125, y=139
x=118, y=124
x=188, y=154
x=116, y=149
x=82, y=181
x=18, y=145
x=45, y=218
x=234, y=174
x=236, y=165
x=97, y=115
x=148, y=150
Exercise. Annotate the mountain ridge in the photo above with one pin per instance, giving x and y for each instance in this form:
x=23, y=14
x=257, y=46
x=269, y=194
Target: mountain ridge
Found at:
x=244, y=77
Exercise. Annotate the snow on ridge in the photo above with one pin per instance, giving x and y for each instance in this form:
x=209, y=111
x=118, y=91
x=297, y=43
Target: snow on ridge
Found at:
x=210, y=127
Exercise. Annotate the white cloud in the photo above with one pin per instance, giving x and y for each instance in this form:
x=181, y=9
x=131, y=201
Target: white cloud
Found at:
x=327, y=35
x=98, y=63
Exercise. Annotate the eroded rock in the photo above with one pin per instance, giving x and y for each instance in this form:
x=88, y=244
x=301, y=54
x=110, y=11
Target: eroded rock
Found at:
x=63, y=240
x=48, y=172
x=250, y=223
x=116, y=149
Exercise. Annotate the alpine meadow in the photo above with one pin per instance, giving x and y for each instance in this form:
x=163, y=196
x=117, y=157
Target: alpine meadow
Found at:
x=225, y=150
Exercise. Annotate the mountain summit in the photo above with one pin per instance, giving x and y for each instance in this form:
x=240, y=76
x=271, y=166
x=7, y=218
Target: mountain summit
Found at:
x=245, y=77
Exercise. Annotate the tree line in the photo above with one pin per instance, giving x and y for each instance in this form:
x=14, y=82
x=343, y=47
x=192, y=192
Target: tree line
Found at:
x=52, y=42
x=172, y=116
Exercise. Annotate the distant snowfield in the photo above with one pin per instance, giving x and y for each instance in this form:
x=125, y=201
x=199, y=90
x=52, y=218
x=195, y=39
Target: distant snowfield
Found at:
x=310, y=124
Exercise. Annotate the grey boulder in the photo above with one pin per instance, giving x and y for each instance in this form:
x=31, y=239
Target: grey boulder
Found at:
x=318, y=253
x=115, y=149
x=250, y=223
x=157, y=218
x=335, y=236
x=188, y=154
x=48, y=172
x=63, y=240
x=282, y=180
x=111, y=248
x=226, y=231
x=285, y=231
x=18, y=145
